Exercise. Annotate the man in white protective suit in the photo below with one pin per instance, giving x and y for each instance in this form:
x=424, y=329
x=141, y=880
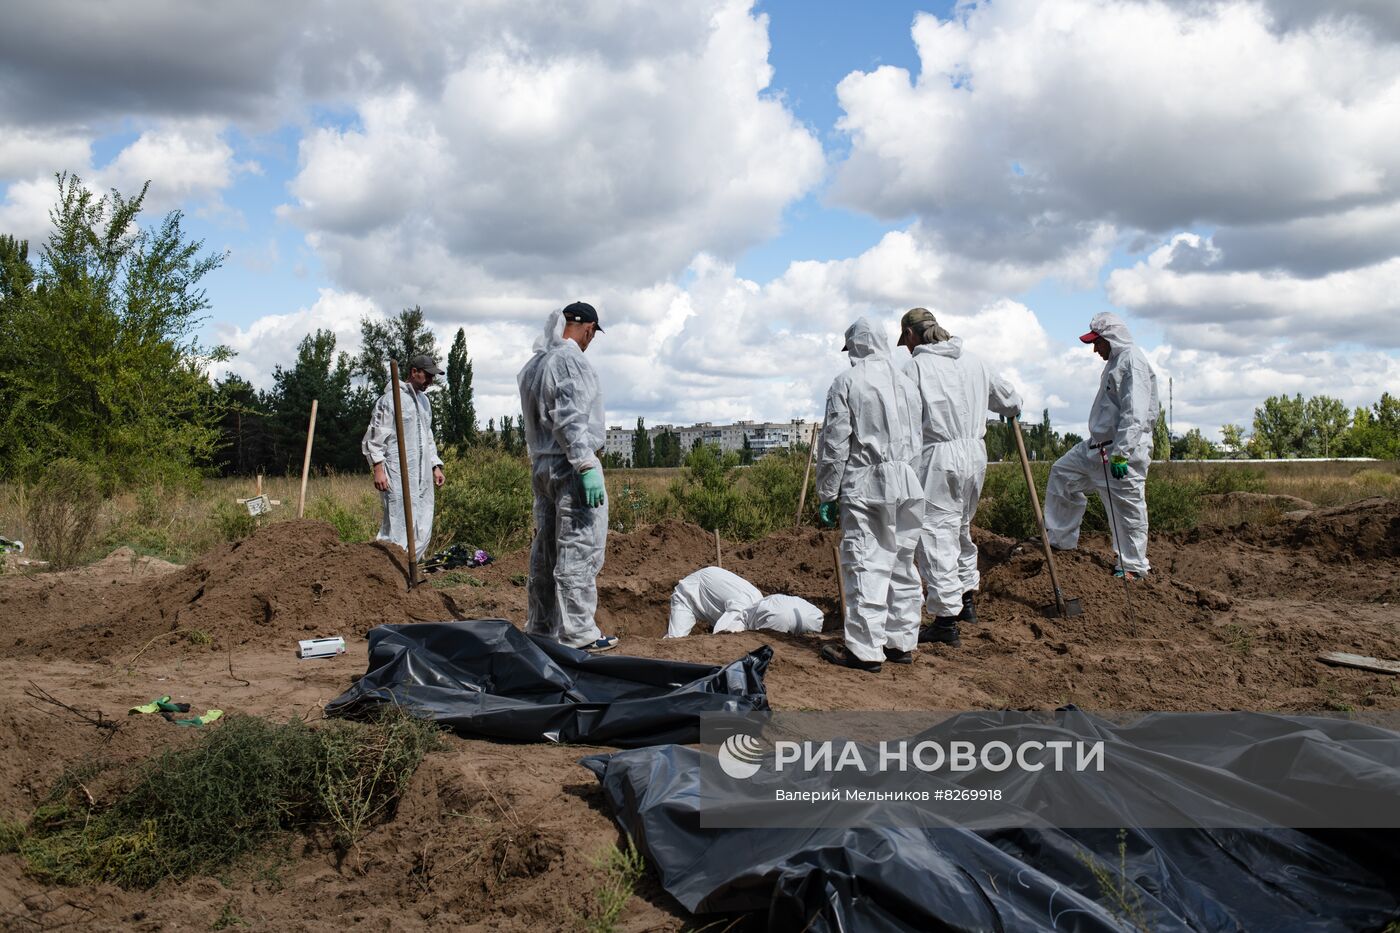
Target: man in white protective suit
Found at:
x=867, y=453
x=729, y=603
x=381, y=448
x=957, y=389
x=562, y=413
x=1120, y=428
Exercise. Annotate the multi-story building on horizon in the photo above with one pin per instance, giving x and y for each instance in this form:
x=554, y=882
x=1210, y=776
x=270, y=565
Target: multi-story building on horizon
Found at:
x=763, y=436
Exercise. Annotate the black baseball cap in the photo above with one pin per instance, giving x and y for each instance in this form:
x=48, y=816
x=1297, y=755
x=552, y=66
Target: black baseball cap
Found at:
x=581, y=312
x=426, y=363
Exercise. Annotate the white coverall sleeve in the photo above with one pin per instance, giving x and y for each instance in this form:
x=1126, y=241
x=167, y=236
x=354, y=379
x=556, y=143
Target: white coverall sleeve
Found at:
x=1134, y=409
x=569, y=398
x=834, y=447
x=379, y=436
x=1003, y=397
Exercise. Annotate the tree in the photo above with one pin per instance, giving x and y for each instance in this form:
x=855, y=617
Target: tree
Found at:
x=1232, y=438
x=746, y=453
x=99, y=358
x=244, y=446
x=1161, y=438
x=507, y=434
x=1279, y=427
x=1374, y=432
x=666, y=449
x=458, y=410
x=641, y=446
x=399, y=338
x=489, y=438
x=1327, y=420
x=343, y=410
x=1193, y=445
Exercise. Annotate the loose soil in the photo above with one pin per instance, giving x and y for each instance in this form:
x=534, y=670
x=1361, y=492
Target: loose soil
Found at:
x=493, y=836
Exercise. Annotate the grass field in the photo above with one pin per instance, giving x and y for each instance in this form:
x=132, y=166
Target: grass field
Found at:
x=178, y=523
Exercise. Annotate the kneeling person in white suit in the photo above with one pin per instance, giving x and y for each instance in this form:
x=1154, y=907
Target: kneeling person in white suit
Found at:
x=714, y=596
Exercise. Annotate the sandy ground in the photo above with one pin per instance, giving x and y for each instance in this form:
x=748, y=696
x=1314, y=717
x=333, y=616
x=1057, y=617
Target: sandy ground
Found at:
x=495, y=836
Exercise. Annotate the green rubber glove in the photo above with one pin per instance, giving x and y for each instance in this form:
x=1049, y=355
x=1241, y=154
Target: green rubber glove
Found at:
x=826, y=514
x=593, y=488
x=1118, y=466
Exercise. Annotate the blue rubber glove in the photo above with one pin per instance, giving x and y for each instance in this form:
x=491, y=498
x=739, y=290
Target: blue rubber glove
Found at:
x=826, y=514
x=1118, y=466
x=593, y=488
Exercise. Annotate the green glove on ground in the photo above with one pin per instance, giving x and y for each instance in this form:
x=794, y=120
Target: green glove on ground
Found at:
x=1118, y=466
x=593, y=488
x=827, y=514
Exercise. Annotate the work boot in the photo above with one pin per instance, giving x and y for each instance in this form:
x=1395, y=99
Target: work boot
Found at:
x=895, y=656
x=944, y=630
x=969, y=611
x=841, y=656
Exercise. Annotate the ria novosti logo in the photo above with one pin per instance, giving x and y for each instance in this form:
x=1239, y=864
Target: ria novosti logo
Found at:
x=740, y=755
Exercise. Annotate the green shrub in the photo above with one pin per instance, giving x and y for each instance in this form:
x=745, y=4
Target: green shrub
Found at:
x=486, y=502
x=708, y=495
x=350, y=524
x=1172, y=505
x=1224, y=479
x=63, y=512
x=232, y=521
x=195, y=809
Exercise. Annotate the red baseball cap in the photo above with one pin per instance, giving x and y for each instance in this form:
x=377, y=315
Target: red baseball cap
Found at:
x=1089, y=337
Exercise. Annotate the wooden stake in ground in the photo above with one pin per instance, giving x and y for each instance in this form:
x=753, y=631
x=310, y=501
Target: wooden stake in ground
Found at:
x=802, y=499
x=840, y=580
x=1063, y=607
x=306, y=460
x=718, y=561
x=403, y=476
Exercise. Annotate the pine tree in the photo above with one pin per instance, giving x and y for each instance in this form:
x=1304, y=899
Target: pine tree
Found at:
x=641, y=446
x=459, y=411
x=399, y=338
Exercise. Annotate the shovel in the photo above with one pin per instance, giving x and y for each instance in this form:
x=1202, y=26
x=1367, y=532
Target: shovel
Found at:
x=1062, y=607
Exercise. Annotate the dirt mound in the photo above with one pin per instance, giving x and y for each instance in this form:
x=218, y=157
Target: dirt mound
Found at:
x=1254, y=500
x=1343, y=553
x=287, y=581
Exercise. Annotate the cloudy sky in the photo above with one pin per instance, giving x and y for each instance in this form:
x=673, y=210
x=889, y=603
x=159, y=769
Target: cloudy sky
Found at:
x=733, y=182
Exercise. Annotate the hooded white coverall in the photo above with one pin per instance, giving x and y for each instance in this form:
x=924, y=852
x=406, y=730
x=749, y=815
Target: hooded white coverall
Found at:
x=866, y=459
x=957, y=389
x=381, y=445
x=732, y=604
x=562, y=412
x=1123, y=415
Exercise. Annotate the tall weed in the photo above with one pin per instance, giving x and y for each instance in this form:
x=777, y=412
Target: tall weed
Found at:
x=63, y=512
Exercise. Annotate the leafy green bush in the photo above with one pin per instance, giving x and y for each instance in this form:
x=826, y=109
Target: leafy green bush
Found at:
x=63, y=512
x=350, y=524
x=232, y=521
x=194, y=809
x=707, y=495
x=1172, y=505
x=486, y=502
x=1223, y=479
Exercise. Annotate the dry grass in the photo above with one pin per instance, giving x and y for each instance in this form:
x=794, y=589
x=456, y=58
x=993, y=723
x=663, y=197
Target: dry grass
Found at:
x=179, y=523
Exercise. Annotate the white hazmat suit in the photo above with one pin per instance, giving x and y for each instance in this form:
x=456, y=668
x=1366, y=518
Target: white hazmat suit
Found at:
x=957, y=389
x=1123, y=417
x=866, y=459
x=562, y=414
x=728, y=602
x=380, y=445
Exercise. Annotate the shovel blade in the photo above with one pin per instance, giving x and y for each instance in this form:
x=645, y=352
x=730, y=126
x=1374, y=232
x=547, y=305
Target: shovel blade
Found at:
x=1072, y=608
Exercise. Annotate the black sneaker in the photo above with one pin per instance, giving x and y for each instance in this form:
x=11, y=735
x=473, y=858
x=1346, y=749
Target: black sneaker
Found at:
x=895, y=656
x=841, y=656
x=969, y=611
x=944, y=630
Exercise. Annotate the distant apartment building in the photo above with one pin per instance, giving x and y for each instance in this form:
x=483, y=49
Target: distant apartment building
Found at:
x=763, y=436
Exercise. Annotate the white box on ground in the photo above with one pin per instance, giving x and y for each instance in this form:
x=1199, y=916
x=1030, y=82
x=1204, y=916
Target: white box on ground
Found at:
x=320, y=647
